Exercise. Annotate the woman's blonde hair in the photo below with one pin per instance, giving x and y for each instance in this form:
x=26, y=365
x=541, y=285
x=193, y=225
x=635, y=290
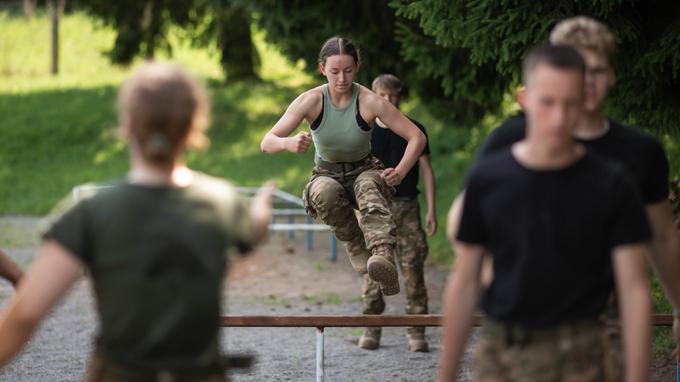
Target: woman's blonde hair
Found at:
x=162, y=107
x=584, y=33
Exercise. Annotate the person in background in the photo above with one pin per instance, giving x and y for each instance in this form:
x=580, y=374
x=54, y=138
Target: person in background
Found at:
x=411, y=240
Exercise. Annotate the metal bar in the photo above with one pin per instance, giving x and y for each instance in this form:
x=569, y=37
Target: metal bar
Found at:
x=290, y=211
x=299, y=226
x=291, y=231
x=364, y=320
x=319, y=354
x=334, y=248
x=308, y=235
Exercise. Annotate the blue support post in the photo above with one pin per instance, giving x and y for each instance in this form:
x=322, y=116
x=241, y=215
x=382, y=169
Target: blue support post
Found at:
x=334, y=248
x=291, y=233
x=308, y=235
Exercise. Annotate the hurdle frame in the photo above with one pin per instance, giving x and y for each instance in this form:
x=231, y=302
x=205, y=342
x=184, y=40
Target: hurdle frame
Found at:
x=320, y=322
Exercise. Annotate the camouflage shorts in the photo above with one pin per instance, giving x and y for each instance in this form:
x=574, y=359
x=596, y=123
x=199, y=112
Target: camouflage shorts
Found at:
x=570, y=352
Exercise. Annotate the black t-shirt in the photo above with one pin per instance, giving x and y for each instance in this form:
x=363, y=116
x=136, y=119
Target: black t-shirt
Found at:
x=157, y=259
x=389, y=148
x=550, y=234
x=640, y=154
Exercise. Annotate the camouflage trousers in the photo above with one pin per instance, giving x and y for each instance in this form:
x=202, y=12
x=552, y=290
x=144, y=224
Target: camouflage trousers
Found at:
x=336, y=189
x=411, y=254
x=103, y=370
x=570, y=352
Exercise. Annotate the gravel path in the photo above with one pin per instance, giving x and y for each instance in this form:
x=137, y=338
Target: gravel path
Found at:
x=282, y=278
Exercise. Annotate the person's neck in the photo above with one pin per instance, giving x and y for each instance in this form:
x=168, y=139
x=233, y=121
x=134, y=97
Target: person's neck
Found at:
x=144, y=173
x=591, y=125
x=535, y=154
x=340, y=100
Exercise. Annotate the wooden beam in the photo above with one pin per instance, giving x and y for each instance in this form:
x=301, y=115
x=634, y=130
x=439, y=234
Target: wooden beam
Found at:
x=325, y=321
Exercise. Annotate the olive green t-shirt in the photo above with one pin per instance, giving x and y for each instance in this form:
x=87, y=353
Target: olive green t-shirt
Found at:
x=156, y=255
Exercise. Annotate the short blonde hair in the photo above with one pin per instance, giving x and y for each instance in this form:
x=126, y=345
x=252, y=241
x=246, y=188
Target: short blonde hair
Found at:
x=583, y=32
x=160, y=107
x=388, y=82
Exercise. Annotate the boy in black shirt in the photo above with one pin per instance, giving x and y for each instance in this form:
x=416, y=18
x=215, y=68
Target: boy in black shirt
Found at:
x=411, y=242
x=561, y=223
x=639, y=153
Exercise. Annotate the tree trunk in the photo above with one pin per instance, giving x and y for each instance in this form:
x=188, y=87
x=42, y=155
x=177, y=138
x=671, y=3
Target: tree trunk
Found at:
x=54, y=19
x=239, y=56
x=29, y=8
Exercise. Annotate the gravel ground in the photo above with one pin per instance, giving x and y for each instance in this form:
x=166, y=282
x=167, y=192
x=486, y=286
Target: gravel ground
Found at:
x=281, y=278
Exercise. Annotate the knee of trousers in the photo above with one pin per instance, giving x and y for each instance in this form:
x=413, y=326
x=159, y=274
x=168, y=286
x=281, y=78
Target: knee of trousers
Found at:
x=328, y=197
x=370, y=187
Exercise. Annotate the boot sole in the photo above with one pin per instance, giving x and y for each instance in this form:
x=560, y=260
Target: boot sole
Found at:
x=383, y=272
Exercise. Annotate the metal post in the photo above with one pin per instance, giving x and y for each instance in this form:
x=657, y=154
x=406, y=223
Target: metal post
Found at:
x=319, y=354
x=308, y=235
x=334, y=248
x=291, y=233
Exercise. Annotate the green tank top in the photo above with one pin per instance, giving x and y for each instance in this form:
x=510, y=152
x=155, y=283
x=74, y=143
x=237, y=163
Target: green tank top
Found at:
x=342, y=135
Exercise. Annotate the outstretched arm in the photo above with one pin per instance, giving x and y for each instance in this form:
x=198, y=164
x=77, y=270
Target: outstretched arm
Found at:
x=632, y=288
x=459, y=301
x=277, y=140
x=53, y=272
x=452, y=225
x=428, y=180
x=9, y=270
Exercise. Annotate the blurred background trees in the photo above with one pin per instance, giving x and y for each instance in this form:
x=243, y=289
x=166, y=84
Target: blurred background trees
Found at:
x=461, y=58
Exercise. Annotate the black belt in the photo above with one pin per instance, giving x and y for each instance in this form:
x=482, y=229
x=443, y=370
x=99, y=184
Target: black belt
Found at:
x=341, y=166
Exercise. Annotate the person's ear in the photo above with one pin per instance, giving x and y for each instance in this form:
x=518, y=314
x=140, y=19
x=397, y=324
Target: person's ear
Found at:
x=521, y=96
x=322, y=69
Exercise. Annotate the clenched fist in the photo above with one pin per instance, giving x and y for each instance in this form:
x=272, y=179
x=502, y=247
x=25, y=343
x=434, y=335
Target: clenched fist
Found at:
x=391, y=176
x=299, y=143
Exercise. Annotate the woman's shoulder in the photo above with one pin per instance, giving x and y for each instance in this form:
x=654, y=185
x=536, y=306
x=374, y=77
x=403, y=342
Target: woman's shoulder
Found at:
x=310, y=98
x=367, y=98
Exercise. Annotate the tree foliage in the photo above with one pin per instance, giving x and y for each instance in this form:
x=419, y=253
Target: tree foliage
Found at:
x=464, y=56
x=484, y=42
x=142, y=28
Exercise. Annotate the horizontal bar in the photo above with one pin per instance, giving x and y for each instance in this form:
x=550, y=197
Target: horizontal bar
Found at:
x=364, y=320
x=289, y=211
x=299, y=227
x=332, y=320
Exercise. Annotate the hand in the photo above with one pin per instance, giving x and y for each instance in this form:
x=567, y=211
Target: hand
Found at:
x=299, y=143
x=676, y=336
x=261, y=206
x=430, y=223
x=391, y=177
